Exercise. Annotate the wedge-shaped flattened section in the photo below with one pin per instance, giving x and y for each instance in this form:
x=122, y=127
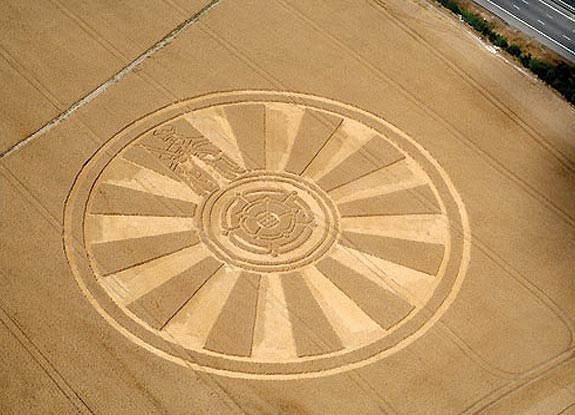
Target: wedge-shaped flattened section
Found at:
x=350, y=137
x=407, y=283
x=109, y=199
x=108, y=228
x=281, y=126
x=418, y=200
x=129, y=175
x=401, y=175
x=312, y=330
x=383, y=306
x=213, y=124
x=232, y=333
x=160, y=305
x=118, y=255
x=374, y=155
x=315, y=129
x=192, y=324
x=420, y=256
x=130, y=284
x=248, y=124
x=273, y=336
x=352, y=325
x=433, y=229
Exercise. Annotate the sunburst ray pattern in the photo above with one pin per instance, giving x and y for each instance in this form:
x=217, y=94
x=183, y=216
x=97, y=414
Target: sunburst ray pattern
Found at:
x=323, y=236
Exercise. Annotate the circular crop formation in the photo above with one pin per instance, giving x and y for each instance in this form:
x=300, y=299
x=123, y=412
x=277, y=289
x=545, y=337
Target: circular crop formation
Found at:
x=266, y=235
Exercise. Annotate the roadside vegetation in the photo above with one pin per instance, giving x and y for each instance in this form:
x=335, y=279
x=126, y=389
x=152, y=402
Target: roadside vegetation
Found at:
x=560, y=76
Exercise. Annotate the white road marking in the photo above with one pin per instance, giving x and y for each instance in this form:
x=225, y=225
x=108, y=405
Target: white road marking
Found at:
x=531, y=27
x=566, y=37
x=525, y=1
x=541, y=22
x=517, y=7
x=549, y=16
x=557, y=10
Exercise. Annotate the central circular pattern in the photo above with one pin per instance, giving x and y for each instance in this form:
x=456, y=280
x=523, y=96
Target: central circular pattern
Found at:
x=269, y=222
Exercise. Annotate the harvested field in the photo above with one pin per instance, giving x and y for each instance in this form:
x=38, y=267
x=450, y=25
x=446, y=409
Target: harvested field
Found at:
x=279, y=207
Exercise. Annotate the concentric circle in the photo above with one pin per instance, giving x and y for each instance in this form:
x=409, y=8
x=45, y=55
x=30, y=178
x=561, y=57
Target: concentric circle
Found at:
x=266, y=235
x=269, y=222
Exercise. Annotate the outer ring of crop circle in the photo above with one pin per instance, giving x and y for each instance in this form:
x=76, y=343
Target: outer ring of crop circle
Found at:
x=72, y=243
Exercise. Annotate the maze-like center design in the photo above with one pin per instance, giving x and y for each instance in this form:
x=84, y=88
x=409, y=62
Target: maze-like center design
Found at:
x=266, y=219
x=266, y=235
x=269, y=222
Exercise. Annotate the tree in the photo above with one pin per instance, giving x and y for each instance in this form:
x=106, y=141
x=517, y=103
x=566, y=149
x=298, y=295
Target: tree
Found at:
x=541, y=69
x=500, y=41
x=525, y=60
x=514, y=50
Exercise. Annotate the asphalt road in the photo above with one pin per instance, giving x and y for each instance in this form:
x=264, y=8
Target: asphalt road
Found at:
x=552, y=22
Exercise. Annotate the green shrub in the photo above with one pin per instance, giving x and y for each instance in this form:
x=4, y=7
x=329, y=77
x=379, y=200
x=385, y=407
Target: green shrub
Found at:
x=514, y=50
x=561, y=77
x=449, y=4
x=478, y=23
x=565, y=71
x=466, y=16
x=471, y=19
x=501, y=41
x=541, y=69
x=561, y=86
x=525, y=60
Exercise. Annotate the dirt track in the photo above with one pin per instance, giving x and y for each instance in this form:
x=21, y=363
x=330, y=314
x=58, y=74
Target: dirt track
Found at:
x=343, y=208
